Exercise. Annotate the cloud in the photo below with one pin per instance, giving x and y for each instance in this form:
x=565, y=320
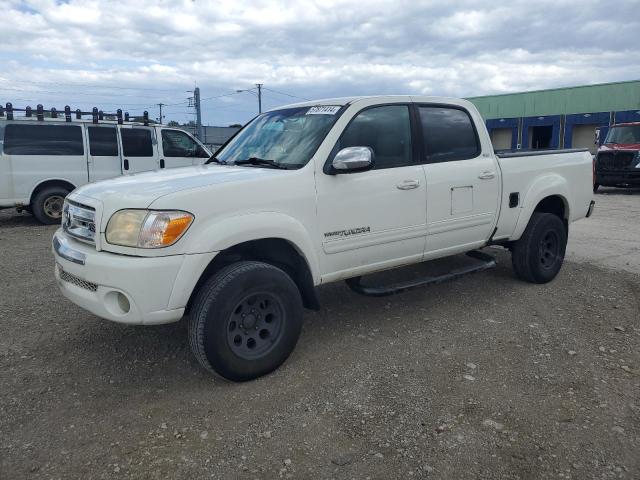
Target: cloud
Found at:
x=143, y=52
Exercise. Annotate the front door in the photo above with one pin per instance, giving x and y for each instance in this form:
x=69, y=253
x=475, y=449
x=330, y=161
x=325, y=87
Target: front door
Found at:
x=377, y=218
x=463, y=183
x=139, y=149
x=179, y=149
x=104, y=154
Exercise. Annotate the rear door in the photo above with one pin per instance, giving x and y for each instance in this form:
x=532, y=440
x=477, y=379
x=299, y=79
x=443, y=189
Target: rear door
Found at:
x=463, y=183
x=104, y=152
x=139, y=148
x=179, y=149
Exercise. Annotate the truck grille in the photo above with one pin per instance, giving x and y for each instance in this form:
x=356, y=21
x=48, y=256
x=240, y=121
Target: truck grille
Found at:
x=79, y=221
x=77, y=281
x=615, y=160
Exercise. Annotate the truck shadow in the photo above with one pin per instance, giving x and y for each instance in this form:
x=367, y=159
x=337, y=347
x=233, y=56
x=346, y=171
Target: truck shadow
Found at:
x=154, y=357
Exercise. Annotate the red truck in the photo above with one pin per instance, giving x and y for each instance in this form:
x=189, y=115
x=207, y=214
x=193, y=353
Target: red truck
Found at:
x=617, y=162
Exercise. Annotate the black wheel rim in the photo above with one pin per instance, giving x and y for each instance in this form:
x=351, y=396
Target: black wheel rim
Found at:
x=255, y=325
x=549, y=250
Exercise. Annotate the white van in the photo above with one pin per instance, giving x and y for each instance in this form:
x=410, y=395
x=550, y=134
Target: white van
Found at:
x=42, y=161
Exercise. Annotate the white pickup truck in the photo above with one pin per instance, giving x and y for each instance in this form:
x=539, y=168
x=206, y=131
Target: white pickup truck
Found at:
x=305, y=195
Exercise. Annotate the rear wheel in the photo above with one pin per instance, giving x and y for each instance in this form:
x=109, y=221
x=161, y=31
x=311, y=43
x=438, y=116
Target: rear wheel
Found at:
x=47, y=204
x=538, y=256
x=596, y=186
x=245, y=321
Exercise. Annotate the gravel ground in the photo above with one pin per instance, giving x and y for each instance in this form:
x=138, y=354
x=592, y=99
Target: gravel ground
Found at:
x=484, y=377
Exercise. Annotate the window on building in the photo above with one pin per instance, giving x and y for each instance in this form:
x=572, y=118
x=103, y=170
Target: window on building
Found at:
x=103, y=141
x=386, y=130
x=43, y=139
x=448, y=134
x=136, y=142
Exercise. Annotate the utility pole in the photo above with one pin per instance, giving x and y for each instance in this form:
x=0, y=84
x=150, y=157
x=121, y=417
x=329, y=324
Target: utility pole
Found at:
x=259, y=85
x=196, y=101
x=160, y=118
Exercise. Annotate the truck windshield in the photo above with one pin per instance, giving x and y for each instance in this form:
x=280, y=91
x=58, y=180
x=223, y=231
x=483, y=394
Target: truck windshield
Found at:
x=287, y=137
x=624, y=134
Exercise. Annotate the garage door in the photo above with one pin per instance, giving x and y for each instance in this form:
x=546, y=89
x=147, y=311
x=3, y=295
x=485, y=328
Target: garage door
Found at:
x=501, y=138
x=583, y=137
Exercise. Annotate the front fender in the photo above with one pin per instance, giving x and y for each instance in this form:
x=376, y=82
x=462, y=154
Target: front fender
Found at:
x=543, y=187
x=223, y=233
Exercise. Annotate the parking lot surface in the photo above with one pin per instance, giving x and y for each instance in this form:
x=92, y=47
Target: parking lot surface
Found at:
x=484, y=377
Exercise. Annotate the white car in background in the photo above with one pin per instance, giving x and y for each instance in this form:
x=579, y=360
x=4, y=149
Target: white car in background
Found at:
x=42, y=161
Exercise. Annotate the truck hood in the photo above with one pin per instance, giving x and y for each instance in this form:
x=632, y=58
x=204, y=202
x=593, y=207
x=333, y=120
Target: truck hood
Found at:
x=141, y=189
x=620, y=146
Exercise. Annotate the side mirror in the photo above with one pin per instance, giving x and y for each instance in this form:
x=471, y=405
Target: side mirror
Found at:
x=352, y=159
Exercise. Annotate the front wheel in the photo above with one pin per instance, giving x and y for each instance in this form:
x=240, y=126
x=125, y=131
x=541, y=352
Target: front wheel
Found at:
x=245, y=321
x=538, y=255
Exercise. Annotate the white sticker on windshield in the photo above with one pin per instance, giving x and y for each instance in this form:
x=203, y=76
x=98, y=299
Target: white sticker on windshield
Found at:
x=323, y=110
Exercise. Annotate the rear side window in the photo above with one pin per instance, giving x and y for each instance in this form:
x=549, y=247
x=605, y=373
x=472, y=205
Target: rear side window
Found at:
x=43, y=140
x=136, y=142
x=386, y=130
x=448, y=134
x=103, y=141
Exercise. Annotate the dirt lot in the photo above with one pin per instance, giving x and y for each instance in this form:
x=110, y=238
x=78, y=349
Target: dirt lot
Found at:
x=484, y=377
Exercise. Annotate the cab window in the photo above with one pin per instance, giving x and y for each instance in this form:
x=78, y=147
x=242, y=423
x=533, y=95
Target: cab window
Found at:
x=448, y=134
x=386, y=130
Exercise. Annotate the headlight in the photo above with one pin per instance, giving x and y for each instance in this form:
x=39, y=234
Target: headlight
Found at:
x=147, y=228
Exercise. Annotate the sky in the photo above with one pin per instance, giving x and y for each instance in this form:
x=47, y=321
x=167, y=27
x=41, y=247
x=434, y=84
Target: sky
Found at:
x=138, y=53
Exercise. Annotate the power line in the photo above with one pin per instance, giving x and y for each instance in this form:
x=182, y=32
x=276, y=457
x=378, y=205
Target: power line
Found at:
x=286, y=94
x=117, y=87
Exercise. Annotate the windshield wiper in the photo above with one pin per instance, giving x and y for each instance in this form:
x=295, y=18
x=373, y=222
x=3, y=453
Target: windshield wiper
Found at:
x=215, y=159
x=263, y=162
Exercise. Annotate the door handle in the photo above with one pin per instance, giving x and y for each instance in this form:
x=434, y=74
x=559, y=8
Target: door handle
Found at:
x=487, y=175
x=126, y=164
x=408, y=184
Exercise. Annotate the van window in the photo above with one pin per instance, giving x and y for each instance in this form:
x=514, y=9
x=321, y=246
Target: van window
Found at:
x=103, y=141
x=136, y=142
x=43, y=139
x=179, y=144
x=448, y=134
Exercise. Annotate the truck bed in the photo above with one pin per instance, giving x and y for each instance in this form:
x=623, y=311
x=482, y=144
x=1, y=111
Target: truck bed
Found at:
x=533, y=176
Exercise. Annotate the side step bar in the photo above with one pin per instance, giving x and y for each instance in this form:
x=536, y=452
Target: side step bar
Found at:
x=487, y=262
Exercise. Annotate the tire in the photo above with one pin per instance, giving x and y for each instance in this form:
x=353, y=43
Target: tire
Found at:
x=245, y=321
x=537, y=257
x=596, y=186
x=47, y=205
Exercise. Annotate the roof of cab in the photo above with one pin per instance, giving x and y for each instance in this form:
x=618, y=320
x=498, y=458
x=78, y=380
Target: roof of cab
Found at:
x=340, y=101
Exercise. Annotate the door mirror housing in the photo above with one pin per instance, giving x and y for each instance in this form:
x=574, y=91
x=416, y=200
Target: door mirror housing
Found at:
x=352, y=159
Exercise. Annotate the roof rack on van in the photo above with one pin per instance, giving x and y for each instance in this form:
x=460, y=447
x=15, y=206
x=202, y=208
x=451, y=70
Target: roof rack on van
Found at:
x=96, y=115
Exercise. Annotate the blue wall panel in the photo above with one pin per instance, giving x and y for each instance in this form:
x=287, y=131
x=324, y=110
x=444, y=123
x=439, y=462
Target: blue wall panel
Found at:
x=628, y=116
x=600, y=119
x=511, y=123
x=549, y=120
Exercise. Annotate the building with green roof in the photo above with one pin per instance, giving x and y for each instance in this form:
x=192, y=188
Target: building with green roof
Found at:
x=569, y=117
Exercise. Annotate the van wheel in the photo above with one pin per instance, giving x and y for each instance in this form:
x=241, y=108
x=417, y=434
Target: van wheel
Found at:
x=596, y=186
x=538, y=255
x=245, y=320
x=47, y=204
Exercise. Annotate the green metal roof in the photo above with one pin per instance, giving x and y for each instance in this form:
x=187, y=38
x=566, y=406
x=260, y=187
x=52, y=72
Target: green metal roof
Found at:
x=605, y=97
